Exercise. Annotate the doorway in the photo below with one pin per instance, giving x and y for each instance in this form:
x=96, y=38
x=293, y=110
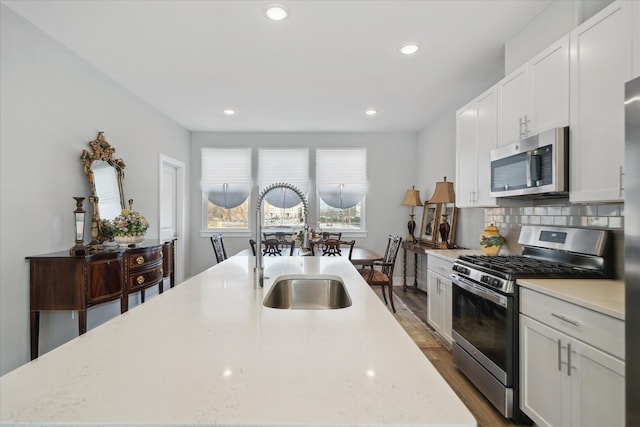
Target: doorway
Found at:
x=171, y=212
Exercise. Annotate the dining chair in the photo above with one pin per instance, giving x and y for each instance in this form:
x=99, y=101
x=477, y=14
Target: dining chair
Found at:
x=333, y=247
x=326, y=235
x=273, y=247
x=218, y=247
x=380, y=273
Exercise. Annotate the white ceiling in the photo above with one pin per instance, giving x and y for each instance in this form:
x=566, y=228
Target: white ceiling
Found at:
x=316, y=71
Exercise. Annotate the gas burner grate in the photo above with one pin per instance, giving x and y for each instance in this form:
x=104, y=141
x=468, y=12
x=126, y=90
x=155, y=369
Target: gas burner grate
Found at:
x=523, y=266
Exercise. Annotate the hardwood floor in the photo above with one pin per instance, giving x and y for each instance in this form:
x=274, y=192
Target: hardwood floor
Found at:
x=485, y=414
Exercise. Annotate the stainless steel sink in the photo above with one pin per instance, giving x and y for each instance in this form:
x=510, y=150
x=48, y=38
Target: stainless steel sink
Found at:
x=304, y=292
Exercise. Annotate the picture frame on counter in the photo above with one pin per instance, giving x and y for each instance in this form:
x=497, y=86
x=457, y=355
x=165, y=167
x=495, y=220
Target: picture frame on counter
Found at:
x=448, y=214
x=430, y=222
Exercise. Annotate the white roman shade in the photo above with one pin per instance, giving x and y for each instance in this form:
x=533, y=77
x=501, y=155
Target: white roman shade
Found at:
x=341, y=176
x=226, y=175
x=283, y=165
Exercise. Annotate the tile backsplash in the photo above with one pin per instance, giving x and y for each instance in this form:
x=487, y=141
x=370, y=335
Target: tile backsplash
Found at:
x=609, y=216
x=510, y=219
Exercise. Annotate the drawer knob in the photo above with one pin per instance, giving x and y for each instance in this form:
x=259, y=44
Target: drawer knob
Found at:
x=140, y=260
x=140, y=280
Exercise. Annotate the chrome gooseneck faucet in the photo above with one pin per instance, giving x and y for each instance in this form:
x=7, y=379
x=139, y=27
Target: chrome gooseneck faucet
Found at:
x=259, y=268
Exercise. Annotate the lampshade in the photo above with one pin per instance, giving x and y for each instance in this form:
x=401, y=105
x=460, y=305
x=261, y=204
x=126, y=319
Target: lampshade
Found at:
x=444, y=192
x=412, y=198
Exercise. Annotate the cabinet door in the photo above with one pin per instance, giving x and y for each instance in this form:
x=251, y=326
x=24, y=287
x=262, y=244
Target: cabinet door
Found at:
x=601, y=62
x=549, y=88
x=543, y=388
x=487, y=140
x=434, y=302
x=512, y=105
x=466, y=133
x=445, y=287
x=597, y=387
x=105, y=279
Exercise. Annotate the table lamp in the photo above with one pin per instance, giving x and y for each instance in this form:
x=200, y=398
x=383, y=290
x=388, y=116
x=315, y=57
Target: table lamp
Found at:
x=412, y=198
x=444, y=194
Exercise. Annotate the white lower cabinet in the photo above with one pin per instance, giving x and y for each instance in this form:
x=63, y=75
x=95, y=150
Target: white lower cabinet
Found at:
x=439, y=304
x=565, y=381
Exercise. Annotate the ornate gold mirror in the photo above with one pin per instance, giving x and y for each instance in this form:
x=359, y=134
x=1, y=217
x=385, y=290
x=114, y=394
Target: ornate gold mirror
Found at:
x=105, y=175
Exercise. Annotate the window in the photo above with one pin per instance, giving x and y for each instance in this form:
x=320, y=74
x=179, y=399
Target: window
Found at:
x=226, y=187
x=282, y=207
x=341, y=179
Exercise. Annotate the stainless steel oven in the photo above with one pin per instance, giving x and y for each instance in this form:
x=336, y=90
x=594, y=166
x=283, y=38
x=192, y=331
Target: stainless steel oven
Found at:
x=484, y=323
x=486, y=303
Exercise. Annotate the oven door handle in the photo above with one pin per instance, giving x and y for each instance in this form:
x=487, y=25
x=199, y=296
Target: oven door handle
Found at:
x=480, y=291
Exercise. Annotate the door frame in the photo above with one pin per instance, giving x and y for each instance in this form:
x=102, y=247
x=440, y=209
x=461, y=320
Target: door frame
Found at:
x=180, y=210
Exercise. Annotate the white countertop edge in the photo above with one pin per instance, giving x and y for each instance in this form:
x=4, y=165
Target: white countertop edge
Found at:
x=452, y=254
x=602, y=296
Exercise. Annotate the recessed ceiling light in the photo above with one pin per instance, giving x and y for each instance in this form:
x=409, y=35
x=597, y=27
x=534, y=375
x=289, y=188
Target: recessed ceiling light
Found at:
x=229, y=111
x=371, y=112
x=410, y=48
x=276, y=12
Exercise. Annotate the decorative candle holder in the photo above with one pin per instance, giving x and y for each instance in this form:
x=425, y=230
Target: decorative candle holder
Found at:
x=79, y=219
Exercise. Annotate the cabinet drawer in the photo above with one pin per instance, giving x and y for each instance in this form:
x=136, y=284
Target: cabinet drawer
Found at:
x=439, y=265
x=144, y=257
x=601, y=331
x=142, y=279
x=105, y=280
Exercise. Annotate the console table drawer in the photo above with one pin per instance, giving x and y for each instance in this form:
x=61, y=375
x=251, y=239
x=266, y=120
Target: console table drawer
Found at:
x=142, y=279
x=144, y=257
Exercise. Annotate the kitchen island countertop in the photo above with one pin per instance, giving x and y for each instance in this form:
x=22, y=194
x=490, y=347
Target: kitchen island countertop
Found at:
x=208, y=352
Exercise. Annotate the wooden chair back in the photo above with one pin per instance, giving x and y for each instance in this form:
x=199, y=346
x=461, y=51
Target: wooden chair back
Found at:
x=274, y=247
x=218, y=247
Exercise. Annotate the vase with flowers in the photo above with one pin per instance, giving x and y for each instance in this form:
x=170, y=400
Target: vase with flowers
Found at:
x=128, y=228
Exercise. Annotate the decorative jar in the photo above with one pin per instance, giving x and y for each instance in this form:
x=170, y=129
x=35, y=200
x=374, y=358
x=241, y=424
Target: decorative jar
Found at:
x=491, y=241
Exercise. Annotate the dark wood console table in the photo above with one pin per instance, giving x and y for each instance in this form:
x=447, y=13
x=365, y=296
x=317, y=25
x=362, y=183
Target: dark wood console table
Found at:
x=59, y=281
x=417, y=249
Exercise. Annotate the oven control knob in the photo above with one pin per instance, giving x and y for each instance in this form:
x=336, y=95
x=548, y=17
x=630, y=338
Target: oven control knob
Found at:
x=495, y=283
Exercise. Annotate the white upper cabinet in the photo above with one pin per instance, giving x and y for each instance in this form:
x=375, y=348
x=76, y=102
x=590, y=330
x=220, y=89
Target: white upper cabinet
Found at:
x=476, y=136
x=549, y=88
x=512, y=93
x=535, y=97
x=602, y=60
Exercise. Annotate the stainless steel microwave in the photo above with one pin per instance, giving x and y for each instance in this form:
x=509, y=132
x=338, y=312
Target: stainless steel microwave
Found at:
x=538, y=165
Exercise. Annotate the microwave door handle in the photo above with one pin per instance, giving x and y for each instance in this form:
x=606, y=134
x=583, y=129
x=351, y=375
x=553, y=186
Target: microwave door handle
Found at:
x=529, y=184
x=534, y=170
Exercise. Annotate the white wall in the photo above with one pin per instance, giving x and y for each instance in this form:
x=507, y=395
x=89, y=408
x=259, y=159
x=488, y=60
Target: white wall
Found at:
x=391, y=171
x=52, y=104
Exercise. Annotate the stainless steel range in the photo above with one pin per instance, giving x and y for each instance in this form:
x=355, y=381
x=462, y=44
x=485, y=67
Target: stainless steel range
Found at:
x=485, y=303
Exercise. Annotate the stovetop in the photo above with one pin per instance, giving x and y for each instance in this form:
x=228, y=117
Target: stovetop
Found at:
x=548, y=252
x=520, y=266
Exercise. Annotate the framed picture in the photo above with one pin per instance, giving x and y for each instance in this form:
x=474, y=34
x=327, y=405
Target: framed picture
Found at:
x=447, y=225
x=430, y=216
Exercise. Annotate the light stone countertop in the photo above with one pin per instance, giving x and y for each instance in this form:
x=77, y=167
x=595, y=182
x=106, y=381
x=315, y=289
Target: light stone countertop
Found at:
x=603, y=296
x=208, y=352
x=452, y=254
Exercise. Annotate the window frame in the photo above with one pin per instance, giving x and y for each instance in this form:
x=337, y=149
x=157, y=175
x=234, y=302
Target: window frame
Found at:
x=205, y=230
x=313, y=199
